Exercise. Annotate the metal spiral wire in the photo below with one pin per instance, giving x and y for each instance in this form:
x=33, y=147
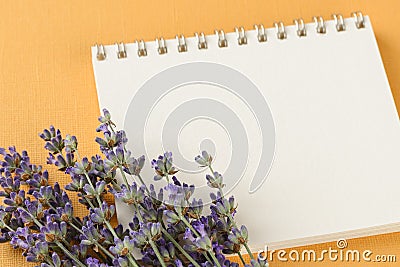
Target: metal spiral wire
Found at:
x=241, y=33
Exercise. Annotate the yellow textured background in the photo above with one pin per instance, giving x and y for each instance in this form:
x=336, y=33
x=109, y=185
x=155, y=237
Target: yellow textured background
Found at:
x=46, y=74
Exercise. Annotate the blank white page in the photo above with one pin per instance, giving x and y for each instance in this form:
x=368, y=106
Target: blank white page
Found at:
x=314, y=116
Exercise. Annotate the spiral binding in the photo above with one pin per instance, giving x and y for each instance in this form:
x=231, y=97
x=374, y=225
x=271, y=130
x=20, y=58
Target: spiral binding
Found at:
x=241, y=36
x=182, y=47
x=261, y=35
x=121, y=51
x=339, y=21
x=319, y=21
x=201, y=40
x=280, y=30
x=242, y=39
x=142, y=51
x=222, y=42
x=301, y=27
x=162, y=48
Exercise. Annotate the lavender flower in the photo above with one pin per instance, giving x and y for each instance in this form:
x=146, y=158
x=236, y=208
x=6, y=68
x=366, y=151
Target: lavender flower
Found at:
x=38, y=253
x=94, y=191
x=70, y=143
x=15, y=200
x=131, y=194
x=134, y=166
x=111, y=140
x=102, y=214
x=122, y=247
x=89, y=234
x=4, y=218
x=201, y=243
x=63, y=163
x=239, y=236
x=93, y=262
x=53, y=138
x=215, y=180
x=168, y=226
x=224, y=207
x=106, y=119
x=204, y=160
x=54, y=231
x=163, y=166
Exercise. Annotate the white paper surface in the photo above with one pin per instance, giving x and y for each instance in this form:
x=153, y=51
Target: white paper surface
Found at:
x=337, y=133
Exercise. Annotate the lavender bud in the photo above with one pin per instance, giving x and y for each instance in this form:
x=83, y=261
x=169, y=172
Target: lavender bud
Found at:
x=163, y=166
x=105, y=212
x=46, y=135
x=90, y=191
x=171, y=217
x=134, y=166
x=122, y=262
x=71, y=143
x=56, y=260
x=239, y=237
x=122, y=248
x=131, y=195
x=4, y=218
x=100, y=185
x=215, y=180
x=204, y=160
x=106, y=116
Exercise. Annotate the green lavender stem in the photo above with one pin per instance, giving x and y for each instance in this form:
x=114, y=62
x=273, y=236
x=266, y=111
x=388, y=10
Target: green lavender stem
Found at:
x=179, y=247
x=132, y=261
x=189, y=226
x=206, y=256
x=111, y=229
x=156, y=251
x=165, y=232
x=49, y=261
x=116, y=186
x=96, y=243
x=241, y=258
x=214, y=258
x=159, y=257
x=123, y=176
x=69, y=254
x=89, y=201
x=194, y=231
x=198, y=235
x=249, y=251
x=109, y=226
x=76, y=228
x=152, y=244
x=98, y=199
x=59, y=244
x=231, y=218
x=8, y=227
x=104, y=250
x=245, y=244
x=141, y=181
x=170, y=238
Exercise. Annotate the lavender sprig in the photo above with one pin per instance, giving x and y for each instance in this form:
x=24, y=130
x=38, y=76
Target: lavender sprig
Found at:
x=168, y=228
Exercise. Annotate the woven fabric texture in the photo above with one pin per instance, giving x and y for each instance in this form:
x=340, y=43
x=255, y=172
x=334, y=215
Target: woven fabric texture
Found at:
x=46, y=75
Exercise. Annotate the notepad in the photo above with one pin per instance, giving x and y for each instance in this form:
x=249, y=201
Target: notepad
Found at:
x=299, y=118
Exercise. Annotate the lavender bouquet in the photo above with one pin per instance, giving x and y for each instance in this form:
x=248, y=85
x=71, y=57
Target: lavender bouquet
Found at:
x=39, y=218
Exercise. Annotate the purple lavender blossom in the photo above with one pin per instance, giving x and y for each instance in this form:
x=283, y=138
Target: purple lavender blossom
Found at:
x=163, y=166
x=204, y=160
x=168, y=228
x=122, y=247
